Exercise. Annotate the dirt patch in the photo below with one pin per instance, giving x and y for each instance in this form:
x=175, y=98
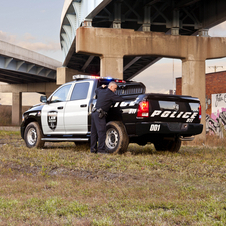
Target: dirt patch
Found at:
x=100, y=175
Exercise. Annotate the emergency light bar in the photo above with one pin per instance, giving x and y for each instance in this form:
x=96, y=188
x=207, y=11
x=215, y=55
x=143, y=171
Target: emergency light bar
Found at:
x=96, y=77
x=84, y=77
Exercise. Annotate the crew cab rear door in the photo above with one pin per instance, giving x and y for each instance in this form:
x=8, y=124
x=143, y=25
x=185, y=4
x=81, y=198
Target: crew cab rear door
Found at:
x=76, y=110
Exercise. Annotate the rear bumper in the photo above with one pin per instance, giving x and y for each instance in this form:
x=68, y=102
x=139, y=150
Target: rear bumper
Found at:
x=168, y=129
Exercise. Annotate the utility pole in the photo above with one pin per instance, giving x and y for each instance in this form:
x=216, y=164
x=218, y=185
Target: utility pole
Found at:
x=215, y=67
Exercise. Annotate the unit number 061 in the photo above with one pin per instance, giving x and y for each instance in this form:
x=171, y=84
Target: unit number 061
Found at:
x=155, y=127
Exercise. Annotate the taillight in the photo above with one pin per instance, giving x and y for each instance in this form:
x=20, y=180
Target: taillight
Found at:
x=143, y=109
x=200, y=112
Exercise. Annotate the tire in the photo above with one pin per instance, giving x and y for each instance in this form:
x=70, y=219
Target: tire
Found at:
x=117, y=140
x=175, y=145
x=168, y=145
x=33, y=136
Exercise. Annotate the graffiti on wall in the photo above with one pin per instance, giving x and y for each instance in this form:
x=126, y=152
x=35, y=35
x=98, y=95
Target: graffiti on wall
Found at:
x=216, y=123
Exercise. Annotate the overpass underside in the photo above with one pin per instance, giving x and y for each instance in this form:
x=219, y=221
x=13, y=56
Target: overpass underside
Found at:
x=22, y=70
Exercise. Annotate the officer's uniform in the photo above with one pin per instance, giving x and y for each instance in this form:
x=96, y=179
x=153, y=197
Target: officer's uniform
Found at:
x=105, y=98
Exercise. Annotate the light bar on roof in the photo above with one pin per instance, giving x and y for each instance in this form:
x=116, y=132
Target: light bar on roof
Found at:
x=85, y=77
x=96, y=77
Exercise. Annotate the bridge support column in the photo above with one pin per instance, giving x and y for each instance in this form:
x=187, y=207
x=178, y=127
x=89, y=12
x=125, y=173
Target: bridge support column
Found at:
x=111, y=66
x=65, y=74
x=194, y=84
x=16, y=108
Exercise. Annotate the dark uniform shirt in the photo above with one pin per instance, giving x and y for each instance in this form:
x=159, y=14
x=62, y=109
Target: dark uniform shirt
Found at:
x=105, y=98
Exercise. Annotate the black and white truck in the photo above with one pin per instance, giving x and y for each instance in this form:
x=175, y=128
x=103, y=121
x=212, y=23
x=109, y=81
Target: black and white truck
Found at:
x=162, y=119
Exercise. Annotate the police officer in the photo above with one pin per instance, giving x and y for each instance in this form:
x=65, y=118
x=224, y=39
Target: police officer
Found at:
x=105, y=97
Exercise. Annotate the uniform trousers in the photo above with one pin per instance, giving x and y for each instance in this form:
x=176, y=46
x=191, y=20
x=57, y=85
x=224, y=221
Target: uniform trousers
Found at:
x=98, y=132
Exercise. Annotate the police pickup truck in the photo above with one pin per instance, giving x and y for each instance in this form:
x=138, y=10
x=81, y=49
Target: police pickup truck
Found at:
x=161, y=119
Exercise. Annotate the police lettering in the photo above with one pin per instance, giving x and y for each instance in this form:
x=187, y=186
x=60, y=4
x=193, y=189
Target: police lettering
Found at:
x=170, y=114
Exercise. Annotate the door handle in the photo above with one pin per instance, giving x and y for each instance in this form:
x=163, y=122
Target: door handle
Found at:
x=83, y=105
x=60, y=108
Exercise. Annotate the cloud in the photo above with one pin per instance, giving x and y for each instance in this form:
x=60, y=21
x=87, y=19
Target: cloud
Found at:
x=28, y=37
x=30, y=42
x=39, y=46
x=7, y=38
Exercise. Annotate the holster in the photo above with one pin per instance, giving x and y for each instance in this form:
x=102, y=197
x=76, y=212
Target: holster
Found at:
x=101, y=113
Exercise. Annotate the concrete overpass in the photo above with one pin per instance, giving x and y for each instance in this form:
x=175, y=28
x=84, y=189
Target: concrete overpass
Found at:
x=120, y=38
x=175, y=17
x=23, y=70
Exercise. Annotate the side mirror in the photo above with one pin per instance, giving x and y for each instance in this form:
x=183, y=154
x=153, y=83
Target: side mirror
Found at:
x=43, y=99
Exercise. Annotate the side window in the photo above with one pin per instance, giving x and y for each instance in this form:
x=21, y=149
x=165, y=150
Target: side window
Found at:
x=80, y=91
x=61, y=94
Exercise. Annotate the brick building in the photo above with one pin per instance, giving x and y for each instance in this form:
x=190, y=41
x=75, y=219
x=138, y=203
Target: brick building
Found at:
x=215, y=100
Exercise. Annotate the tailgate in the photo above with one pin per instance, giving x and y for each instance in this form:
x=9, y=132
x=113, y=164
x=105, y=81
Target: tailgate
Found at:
x=173, y=108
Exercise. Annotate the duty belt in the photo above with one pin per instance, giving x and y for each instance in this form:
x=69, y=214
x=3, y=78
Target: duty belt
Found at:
x=100, y=111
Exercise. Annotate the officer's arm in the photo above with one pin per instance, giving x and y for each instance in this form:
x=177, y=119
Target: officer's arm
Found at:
x=116, y=98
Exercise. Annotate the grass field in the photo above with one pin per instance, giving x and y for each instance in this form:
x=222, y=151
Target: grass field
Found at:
x=64, y=184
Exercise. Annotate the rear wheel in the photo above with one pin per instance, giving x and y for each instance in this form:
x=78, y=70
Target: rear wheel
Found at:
x=117, y=140
x=33, y=136
x=168, y=145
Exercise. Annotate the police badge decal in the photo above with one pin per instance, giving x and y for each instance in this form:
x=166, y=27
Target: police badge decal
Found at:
x=52, y=119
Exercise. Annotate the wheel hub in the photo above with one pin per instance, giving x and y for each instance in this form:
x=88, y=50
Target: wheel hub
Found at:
x=112, y=138
x=32, y=136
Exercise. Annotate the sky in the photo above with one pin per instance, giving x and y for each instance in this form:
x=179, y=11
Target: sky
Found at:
x=35, y=25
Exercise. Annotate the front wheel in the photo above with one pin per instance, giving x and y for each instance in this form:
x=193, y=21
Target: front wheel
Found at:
x=33, y=136
x=117, y=140
x=168, y=145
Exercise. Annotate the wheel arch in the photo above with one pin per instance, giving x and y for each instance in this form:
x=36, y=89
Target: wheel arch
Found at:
x=27, y=122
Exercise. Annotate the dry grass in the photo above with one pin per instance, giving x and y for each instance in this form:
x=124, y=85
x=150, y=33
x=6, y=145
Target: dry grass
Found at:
x=64, y=184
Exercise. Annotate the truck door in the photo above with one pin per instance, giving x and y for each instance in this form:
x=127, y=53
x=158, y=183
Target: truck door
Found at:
x=52, y=116
x=76, y=110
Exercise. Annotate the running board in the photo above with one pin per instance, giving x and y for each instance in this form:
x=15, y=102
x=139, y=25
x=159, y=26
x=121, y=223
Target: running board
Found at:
x=65, y=139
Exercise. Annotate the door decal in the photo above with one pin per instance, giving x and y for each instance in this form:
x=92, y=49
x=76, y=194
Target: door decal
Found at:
x=52, y=119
